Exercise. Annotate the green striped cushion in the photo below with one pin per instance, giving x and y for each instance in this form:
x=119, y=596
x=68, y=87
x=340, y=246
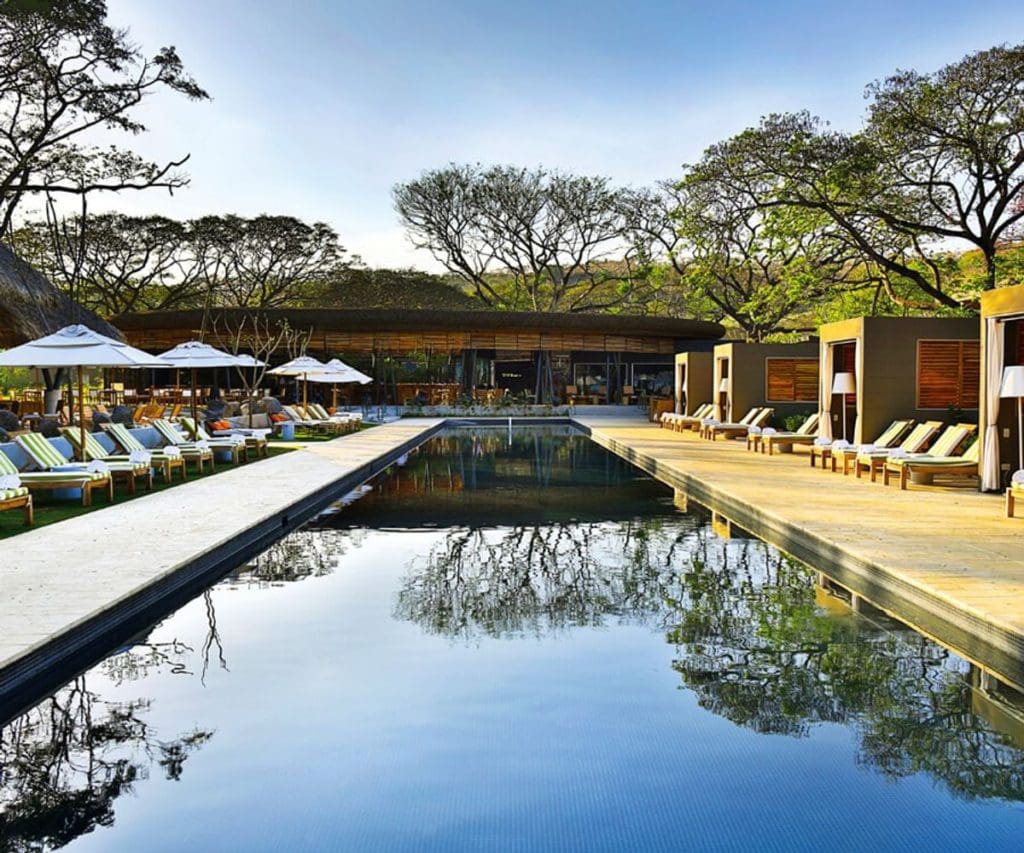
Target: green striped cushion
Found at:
x=6, y=466
x=125, y=465
x=44, y=454
x=168, y=432
x=128, y=441
x=93, y=449
x=60, y=476
x=195, y=429
x=8, y=494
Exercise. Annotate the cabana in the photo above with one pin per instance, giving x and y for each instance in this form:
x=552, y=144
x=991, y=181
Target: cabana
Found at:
x=1002, y=347
x=693, y=381
x=896, y=367
x=782, y=376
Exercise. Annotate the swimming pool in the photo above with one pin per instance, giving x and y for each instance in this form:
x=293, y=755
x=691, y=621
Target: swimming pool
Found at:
x=518, y=642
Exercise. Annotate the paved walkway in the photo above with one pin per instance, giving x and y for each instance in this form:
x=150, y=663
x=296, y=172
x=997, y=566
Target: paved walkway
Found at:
x=57, y=579
x=949, y=550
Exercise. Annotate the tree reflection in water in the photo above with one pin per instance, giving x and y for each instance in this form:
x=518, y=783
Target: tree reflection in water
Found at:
x=532, y=580
x=305, y=553
x=66, y=761
x=756, y=640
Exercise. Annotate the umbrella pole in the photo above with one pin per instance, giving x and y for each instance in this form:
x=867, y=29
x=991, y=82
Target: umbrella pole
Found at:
x=334, y=395
x=303, y=392
x=195, y=415
x=81, y=415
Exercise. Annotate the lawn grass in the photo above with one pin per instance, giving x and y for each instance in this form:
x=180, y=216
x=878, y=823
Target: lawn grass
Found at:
x=49, y=510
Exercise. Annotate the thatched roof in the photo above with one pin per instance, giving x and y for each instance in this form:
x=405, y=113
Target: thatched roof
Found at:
x=30, y=306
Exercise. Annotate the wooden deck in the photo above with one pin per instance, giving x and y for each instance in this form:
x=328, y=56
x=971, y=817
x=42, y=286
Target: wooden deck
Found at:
x=66, y=587
x=943, y=559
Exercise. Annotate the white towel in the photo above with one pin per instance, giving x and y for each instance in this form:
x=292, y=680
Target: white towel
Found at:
x=172, y=451
x=766, y=430
x=756, y=430
x=9, y=481
x=840, y=444
x=897, y=453
x=1018, y=477
x=203, y=444
x=866, y=448
x=823, y=442
x=97, y=467
x=236, y=439
x=140, y=457
x=710, y=422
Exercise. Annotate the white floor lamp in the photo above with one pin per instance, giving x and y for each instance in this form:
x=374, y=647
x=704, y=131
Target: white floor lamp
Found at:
x=1013, y=386
x=843, y=383
x=723, y=388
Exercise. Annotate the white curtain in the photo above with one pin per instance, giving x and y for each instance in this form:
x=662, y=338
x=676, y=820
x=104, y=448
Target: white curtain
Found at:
x=825, y=391
x=858, y=361
x=719, y=415
x=994, y=335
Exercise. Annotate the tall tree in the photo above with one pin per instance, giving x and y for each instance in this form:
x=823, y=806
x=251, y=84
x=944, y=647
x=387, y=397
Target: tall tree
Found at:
x=758, y=263
x=115, y=263
x=952, y=142
x=525, y=238
x=66, y=73
x=265, y=261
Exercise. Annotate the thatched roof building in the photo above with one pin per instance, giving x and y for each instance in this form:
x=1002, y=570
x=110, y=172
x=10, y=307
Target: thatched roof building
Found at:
x=30, y=306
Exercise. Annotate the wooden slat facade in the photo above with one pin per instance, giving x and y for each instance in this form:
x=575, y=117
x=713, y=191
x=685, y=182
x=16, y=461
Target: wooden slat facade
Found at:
x=399, y=343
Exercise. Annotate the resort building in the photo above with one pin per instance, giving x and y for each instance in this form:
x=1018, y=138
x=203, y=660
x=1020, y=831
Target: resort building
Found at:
x=783, y=376
x=1002, y=349
x=884, y=368
x=597, y=356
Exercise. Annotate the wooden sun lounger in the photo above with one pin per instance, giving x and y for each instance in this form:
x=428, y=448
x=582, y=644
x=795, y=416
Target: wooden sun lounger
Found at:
x=1014, y=493
x=755, y=417
x=930, y=466
x=128, y=442
x=889, y=437
x=19, y=498
x=874, y=461
x=122, y=469
x=51, y=480
x=783, y=441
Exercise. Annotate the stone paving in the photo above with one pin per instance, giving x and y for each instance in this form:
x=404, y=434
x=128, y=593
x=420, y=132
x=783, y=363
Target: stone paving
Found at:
x=56, y=577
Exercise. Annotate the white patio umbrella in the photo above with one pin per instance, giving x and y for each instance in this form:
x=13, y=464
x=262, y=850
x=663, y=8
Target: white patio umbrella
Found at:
x=340, y=374
x=193, y=355
x=304, y=366
x=78, y=346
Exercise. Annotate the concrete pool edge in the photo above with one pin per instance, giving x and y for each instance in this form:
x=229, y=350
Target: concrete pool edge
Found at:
x=43, y=665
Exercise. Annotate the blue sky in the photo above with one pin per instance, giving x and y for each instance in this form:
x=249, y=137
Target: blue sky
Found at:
x=320, y=107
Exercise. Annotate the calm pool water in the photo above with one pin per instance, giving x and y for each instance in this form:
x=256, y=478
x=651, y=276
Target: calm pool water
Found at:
x=526, y=647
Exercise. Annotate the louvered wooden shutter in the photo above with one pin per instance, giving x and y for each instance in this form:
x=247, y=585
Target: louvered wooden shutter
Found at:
x=948, y=374
x=791, y=380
